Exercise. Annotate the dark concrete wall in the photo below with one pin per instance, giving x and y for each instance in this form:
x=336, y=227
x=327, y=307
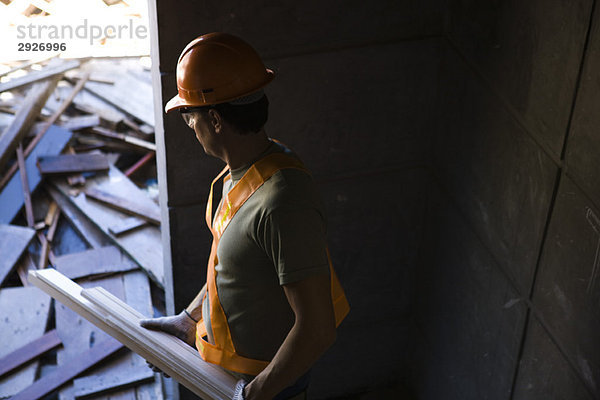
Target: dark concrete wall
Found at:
x=507, y=299
x=455, y=143
x=353, y=97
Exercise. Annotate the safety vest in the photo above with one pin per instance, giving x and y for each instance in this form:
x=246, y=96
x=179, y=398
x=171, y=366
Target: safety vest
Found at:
x=223, y=352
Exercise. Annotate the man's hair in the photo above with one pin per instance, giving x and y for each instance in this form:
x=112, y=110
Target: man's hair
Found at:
x=246, y=118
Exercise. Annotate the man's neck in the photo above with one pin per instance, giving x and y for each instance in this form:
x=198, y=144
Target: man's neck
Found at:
x=245, y=149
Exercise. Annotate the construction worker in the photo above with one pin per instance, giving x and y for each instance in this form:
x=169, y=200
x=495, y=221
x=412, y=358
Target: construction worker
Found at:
x=272, y=301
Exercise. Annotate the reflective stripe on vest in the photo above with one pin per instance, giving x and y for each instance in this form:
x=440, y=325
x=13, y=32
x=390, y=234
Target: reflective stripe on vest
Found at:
x=223, y=352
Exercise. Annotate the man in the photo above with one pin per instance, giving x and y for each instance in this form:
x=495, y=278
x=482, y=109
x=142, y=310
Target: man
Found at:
x=271, y=302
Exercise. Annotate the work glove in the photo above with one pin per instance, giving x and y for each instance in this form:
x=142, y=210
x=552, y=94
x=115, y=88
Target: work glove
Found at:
x=181, y=326
x=238, y=394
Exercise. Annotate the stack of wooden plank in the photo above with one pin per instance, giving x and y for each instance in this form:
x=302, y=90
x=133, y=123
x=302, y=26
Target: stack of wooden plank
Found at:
x=76, y=155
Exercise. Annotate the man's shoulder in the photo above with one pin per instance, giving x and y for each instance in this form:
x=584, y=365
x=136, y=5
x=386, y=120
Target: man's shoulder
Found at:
x=290, y=187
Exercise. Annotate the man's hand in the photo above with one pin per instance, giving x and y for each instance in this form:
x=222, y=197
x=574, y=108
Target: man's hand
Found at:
x=179, y=325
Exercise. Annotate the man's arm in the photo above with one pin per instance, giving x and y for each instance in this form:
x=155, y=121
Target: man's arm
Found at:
x=195, y=307
x=313, y=333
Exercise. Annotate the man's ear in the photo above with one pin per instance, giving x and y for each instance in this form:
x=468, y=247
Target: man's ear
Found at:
x=215, y=119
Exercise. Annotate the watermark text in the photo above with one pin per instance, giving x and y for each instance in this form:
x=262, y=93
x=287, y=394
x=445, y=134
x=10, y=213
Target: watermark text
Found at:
x=85, y=30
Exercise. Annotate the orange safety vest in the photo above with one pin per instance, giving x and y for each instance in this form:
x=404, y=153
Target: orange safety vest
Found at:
x=223, y=352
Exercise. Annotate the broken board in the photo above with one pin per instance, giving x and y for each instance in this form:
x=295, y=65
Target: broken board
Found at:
x=127, y=225
x=101, y=261
x=11, y=197
x=23, y=318
x=143, y=245
x=171, y=355
x=28, y=352
x=72, y=163
x=13, y=241
x=151, y=214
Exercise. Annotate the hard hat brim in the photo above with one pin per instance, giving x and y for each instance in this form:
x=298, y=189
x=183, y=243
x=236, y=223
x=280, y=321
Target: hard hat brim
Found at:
x=175, y=103
x=179, y=102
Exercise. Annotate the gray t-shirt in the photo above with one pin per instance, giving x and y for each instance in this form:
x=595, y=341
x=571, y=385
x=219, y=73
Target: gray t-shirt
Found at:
x=277, y=237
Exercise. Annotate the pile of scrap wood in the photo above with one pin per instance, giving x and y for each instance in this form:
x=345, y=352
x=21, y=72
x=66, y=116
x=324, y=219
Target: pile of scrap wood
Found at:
x=76, y=152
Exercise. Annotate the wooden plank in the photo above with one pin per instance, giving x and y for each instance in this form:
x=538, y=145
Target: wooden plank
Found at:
x=76, y=123
x=76, y=365
x=101, y=261
x=36, y=76
x=151, y=213
x=142, y=130
x=76, y=78
x=138, y=296
x=127, y=225
x=73, y=163
x=23, y=318
x=24, y=119
x=136, y=142
x=91, y=386
x=125, y=317
x=143, y=245
x=135, y=291
x=28, y=352
x=11, y=196
x=168, y=353
x=45, y=253
x=88, y=231
x=13, y=242
x=139, y=164
x=51, y=214
x=109, y=117
x=55, y=217
x=25, y=186
x=91, y=142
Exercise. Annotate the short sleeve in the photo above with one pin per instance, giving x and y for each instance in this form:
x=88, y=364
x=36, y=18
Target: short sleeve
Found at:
x=295, y=239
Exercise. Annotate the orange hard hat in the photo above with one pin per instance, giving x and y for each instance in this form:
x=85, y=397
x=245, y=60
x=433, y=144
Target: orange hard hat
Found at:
x=217, y=68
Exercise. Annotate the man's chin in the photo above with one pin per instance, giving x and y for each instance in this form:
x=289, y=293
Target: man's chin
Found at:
x=208, y=152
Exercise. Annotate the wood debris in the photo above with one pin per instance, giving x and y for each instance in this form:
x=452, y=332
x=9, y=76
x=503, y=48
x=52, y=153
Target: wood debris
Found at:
x=119, y=319
x=72, y=163
x=28, y=352
x=23, y=318
x=76, y=155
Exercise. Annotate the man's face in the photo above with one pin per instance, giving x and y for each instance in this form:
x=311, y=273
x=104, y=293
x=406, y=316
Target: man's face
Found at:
x=200, y=122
